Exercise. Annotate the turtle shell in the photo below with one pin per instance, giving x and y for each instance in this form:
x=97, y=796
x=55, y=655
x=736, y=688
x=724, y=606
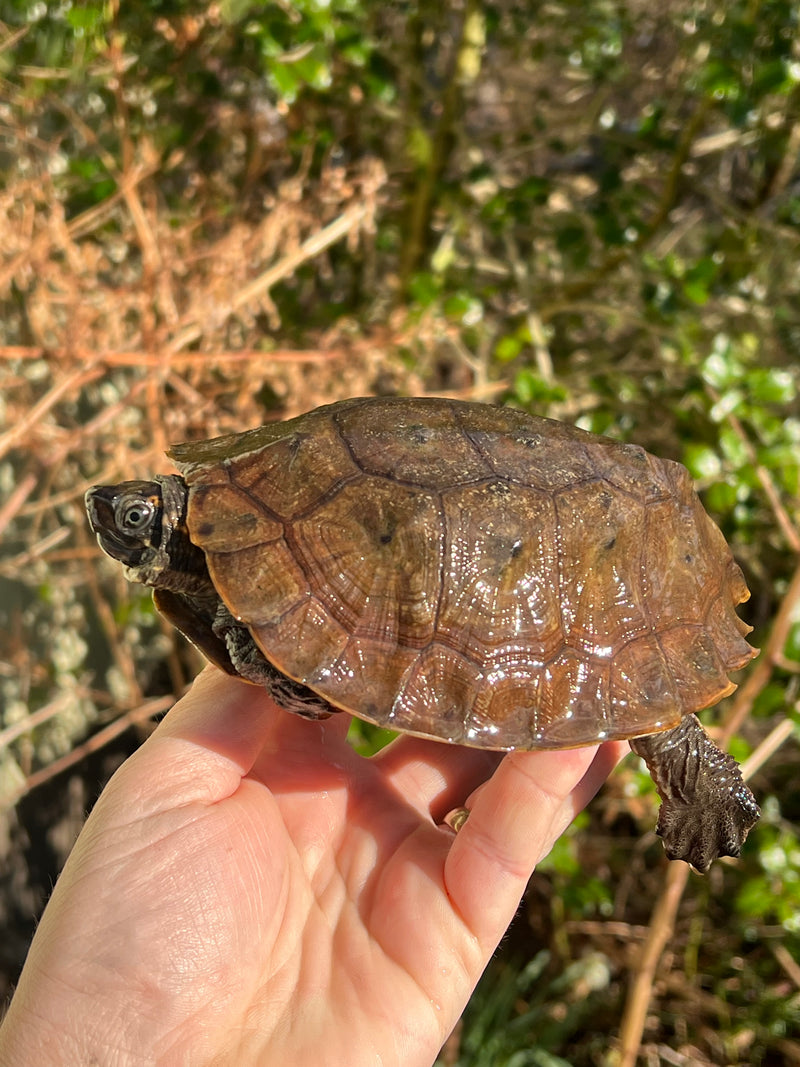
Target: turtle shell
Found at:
x=471, y=573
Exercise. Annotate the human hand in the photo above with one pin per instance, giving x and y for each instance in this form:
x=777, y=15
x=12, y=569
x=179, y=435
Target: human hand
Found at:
x=249, y=890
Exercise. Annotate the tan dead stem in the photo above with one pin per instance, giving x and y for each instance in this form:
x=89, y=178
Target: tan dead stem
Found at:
x=17, y=497
x=182, y=359
x=96, y=742
x=70, y=384
x=345, y=224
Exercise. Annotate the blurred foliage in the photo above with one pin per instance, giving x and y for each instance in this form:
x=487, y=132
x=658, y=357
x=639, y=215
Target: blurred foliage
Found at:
x=589, y=210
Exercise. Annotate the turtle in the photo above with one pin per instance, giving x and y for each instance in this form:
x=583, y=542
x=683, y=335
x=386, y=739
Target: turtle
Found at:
x=458, y=571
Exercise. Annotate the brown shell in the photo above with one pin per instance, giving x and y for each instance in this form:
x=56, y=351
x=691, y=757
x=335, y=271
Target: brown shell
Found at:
x=469, y=572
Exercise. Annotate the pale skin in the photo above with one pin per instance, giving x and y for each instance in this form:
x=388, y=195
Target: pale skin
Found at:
x=248, y=890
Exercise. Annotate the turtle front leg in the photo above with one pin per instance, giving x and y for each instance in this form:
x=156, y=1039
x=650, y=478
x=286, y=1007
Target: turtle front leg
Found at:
x=706, y=808
x=250, y=663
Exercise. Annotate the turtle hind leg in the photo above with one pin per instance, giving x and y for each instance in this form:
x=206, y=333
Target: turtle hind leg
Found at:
x=706, y=808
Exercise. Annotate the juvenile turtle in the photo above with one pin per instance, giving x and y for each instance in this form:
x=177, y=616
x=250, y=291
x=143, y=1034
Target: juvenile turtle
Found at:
x=461, y=572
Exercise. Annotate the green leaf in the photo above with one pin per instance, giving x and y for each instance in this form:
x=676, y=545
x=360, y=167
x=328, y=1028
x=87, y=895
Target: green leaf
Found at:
x=720, y=498
x=507, y=348
x=463, y=307
x=284, y=78
x=530, y=388
x=698, y=278
x=702, y=461
x=771, y=385
x=792, y=647
x=424, y=288
x=721, y=368
x=85, y=19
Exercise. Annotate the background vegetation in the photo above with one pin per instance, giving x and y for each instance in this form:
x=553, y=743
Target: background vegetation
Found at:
x=215, y=214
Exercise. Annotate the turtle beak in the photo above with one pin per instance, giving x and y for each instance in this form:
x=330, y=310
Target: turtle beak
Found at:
x=100, y=503
x=99, y=508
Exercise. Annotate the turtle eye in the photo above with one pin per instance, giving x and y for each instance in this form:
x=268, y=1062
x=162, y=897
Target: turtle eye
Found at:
x=134, y=516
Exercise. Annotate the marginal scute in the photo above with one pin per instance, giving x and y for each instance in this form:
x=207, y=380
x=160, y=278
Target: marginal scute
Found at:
x=259, y=584
x=564, y=703
x=436, y=695
x=575, y=701
x=291, y=475
x=224, y=519
x=729, y=630
x=204, y=457
x=317, y=641
x=645, y=695
x=352, y=675
x=695, y=665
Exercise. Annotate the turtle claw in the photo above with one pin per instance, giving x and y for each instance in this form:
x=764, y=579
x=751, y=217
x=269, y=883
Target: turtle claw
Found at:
x=706, y=810
x=698, y=834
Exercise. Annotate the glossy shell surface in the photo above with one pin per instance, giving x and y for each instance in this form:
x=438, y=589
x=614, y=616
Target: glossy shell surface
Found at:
x=471, y=573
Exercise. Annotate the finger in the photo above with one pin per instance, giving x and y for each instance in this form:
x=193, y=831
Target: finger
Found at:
x=434, y=777
x=306, y=754
x=236, y=719
x=216, y=735
x=212, y=738
x=606, y=758
x=203, y=747
x=225, y=715
x=513, y=822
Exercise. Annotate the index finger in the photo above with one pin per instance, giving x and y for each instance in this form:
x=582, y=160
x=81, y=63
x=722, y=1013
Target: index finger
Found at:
x=236, y=719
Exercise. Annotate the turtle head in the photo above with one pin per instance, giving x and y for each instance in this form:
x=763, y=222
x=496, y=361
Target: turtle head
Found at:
x=142, y=525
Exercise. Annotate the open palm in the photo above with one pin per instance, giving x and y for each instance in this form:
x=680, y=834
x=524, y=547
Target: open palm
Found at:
x=249, y=890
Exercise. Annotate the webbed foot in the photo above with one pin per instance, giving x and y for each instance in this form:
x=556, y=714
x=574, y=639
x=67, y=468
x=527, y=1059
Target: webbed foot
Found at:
x=706, y=808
